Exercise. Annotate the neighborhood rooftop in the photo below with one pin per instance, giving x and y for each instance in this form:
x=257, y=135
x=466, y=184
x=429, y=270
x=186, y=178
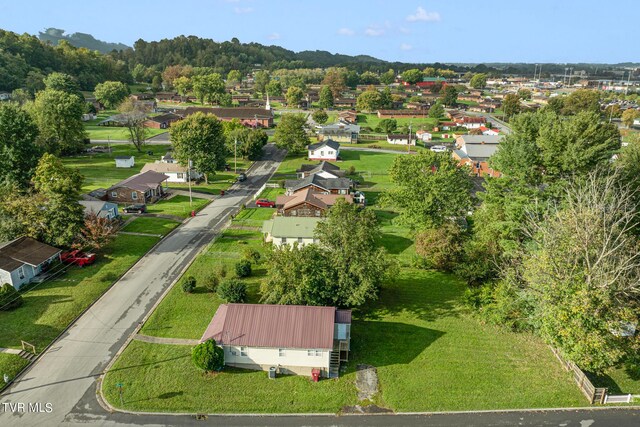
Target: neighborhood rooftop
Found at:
x=322, y=166
x=291, y=226
x=24, y=250
x=318, y=181
x=142, y=181
x=284, y=326
x=327, y=142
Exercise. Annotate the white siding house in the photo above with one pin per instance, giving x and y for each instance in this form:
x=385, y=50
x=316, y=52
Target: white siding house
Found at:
x=23, y=259
x=294, y=339
x=175, y=171
x=399, y=139
x=125, y=161
x=325, y=150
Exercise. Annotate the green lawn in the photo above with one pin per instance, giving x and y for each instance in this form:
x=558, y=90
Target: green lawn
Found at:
x=187, y=315
x=372, y=121
x=10, y=364
x=151, y=225
x=271, y=193
x=177, y=206
x=99, y=170
x=112, y=132
x=253, y=217
x=49, y=307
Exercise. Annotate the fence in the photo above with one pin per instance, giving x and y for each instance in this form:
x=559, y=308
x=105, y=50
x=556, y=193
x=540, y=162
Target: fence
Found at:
x=371, y=137
x=594, y=394
x=265, y=185
x=625, y=398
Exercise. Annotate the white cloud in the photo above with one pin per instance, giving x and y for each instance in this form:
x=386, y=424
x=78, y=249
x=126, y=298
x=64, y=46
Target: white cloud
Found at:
x=373, y=32
x=405, y=46
x=274, y=36
x=422, y=15
x=346, y=32
x=404, y=30
x=243, y=10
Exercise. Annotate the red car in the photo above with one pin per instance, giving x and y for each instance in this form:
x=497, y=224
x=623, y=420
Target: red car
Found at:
x=264, y=203
x=77, y=257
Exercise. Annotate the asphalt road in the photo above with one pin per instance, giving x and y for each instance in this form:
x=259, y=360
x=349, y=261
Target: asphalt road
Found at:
x=65, y=375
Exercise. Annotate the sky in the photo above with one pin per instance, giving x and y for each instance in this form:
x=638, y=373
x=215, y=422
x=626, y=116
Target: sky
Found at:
x=466, y=31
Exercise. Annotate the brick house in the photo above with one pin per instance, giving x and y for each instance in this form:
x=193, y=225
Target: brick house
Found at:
x=145, y=187
x=308, y=203
x=248, y=116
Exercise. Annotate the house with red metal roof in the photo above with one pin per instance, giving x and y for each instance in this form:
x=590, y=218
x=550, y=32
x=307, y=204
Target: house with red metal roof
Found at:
x=294, y=339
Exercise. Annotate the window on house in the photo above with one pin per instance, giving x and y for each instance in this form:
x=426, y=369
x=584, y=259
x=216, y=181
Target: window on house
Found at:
x=317, y=213
x=134, y=195
x=114, y=194
x=243, y=351
x=233, y=351
x=294, y=212
x=21, y=272
x=281, y=352
x=322, y=153
x=284, y=240
x=314, y=353
x=180, y=175
x=299, y=239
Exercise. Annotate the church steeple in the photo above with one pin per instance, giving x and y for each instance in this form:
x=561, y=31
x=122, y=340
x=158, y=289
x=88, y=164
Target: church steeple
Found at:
x=267, y=106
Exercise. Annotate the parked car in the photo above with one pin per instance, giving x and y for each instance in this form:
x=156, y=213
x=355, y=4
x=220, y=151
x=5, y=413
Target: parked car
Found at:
x=242, y=177
x=439, y=149
x=135, y=209
x=264, y=203
x=77, y=257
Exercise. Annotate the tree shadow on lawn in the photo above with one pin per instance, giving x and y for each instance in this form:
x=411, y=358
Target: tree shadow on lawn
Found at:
x=388, y=343
x=395, y=244
x=604, y=380
x=423, y=294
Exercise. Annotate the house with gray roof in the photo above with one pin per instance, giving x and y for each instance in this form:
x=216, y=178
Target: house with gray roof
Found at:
x=323, y=169
x=23, y=259
x=318, y=184
x=327, y=149
x=144, y=187
x=100, y=208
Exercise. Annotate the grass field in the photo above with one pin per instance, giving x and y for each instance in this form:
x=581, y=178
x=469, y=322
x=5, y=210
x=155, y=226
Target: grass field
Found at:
x=151, y=225
x=177, y=206
x=111, y=132
x=99, y=170
x=10, y=364
x=187, y=315
x=372, y=121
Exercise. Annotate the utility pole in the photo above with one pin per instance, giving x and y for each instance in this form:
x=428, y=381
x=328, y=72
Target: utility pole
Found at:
x=189, y=181
x=409, y=142
x=235, y=156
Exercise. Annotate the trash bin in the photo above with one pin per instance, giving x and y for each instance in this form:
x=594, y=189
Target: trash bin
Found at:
x=272, y=372
x=193, y=213
x=222, y=192
x=315, y=375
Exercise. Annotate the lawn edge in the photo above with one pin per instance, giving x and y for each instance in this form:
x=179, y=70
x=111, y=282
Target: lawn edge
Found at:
x=75, y=319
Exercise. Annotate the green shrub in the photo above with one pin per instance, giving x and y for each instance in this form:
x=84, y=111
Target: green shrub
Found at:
x=208, y=356
x=211, y=282
x=221, y=270
x=243, y=268
x=251, y=255
x=232, y=290
x=351, y=170
x=189, y=284
x=10, y=298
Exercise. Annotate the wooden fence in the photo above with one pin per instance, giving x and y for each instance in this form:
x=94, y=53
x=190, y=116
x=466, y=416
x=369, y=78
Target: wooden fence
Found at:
x=594, y=394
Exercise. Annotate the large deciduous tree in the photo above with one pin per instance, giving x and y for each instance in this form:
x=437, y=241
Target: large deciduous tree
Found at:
x=582, y=100
x=18, y=152
x=429, y=189
x=449, y=96
x=59, y=118
x=294, y=96
x=209, y=88
x=335, y=79
x=629, y=116
x=291, y=133
x=511, y=105
x=412, y=76
x=478, y=81
x=325, y=97
x=346, y=267
x=200, y=139
x=62, y=82
x=369, y=100
x=111, y=94
x=134, y=116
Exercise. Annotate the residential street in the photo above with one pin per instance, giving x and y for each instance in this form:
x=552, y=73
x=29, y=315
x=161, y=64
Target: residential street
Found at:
x=65, y=375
